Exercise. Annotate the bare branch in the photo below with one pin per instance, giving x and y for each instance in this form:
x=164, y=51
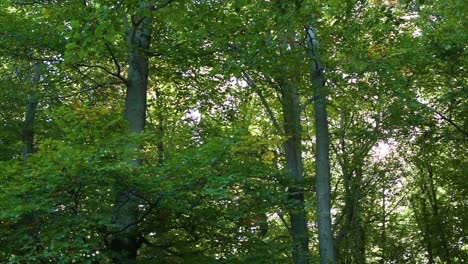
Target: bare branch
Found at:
x=118, y=68
x=162, y=5
x=105, y=70
x=283, y=220
x=450, y=121
x=445, y=118
x=152, y=205
x=252, y=84
x=307, y=103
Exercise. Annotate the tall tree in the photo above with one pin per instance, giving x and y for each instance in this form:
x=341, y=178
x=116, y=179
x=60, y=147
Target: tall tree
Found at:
x=293, y=154
x=30, y=113
x=125, y=241
x=322, y=155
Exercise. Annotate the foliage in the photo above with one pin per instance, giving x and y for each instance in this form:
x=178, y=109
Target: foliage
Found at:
x=212, y=181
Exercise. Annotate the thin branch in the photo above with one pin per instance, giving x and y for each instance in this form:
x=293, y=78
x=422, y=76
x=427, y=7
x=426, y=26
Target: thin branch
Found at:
x=92, y=88
x=153, y=54
x=445, y=118
x=151, y=7
x=450, y=121
x=283, y=220
x=118, y=68
x=394, y=206
x=162, y=5
x=136, y=24
x=34, y=58
x=334, y=191
x=105, y=70
x=252, y=84
x=307, y=103
x=152, y=205
x=275, y=85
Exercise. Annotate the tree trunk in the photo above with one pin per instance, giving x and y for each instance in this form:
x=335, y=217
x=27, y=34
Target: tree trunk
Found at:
x=29, y=221
x=293, y=153
x=30, y=116
x=322, y=156
x=125, y=244
x=359, y=251
x=322, y=168
x=160, y=128
x=383, y=232
x=427, y=234
x=350, y=241
x=438, y=222
x=28, y=128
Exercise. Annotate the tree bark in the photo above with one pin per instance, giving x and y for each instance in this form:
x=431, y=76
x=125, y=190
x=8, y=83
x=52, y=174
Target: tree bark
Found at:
x=293, y=153
x=438, y=222
x=383, y=232
x=124, y=243
x=322, y=155
x=28, y=128
x=160, y=128
x=427, y=234
x=351, y=240
x=30, y=116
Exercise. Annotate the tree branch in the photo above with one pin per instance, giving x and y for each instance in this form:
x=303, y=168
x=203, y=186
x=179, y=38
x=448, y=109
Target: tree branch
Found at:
x=118, y=68
x=447, y=119
x=307, y=103
x=252, y=84
x=106, y=70
x=152, y=205
x=450, y=121
x=162, y=5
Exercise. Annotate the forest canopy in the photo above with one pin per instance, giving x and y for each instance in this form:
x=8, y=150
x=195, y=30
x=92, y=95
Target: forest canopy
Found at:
x=236, y=131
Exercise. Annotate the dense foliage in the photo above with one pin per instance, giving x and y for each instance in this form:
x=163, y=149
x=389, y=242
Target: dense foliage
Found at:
x=182, y=131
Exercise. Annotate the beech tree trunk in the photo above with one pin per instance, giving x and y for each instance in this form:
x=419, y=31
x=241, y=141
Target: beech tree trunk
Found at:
x=28, y=128
x=350, y=241
x=160, y=128
x=383, y=232
x=322, y=155
x=30, y=116
x=293, y=153
x=125, y=244
x=438, y=225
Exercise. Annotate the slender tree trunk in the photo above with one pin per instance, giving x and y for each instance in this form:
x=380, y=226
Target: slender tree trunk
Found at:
x=29, y=221
x=322, y=156
x=350, y=241
x=439, y=225
x=359, y=252
x=322, y=168
x=125, y=244
x=160, y=128
x=383, y=232
x=293, y=153
x=341, y=239
x=427, y=232
x=28, y=128
x=30, y=116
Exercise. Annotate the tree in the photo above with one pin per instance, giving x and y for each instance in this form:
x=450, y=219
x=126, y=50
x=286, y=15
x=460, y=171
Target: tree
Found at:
x=322, y=155
x=138, y=35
